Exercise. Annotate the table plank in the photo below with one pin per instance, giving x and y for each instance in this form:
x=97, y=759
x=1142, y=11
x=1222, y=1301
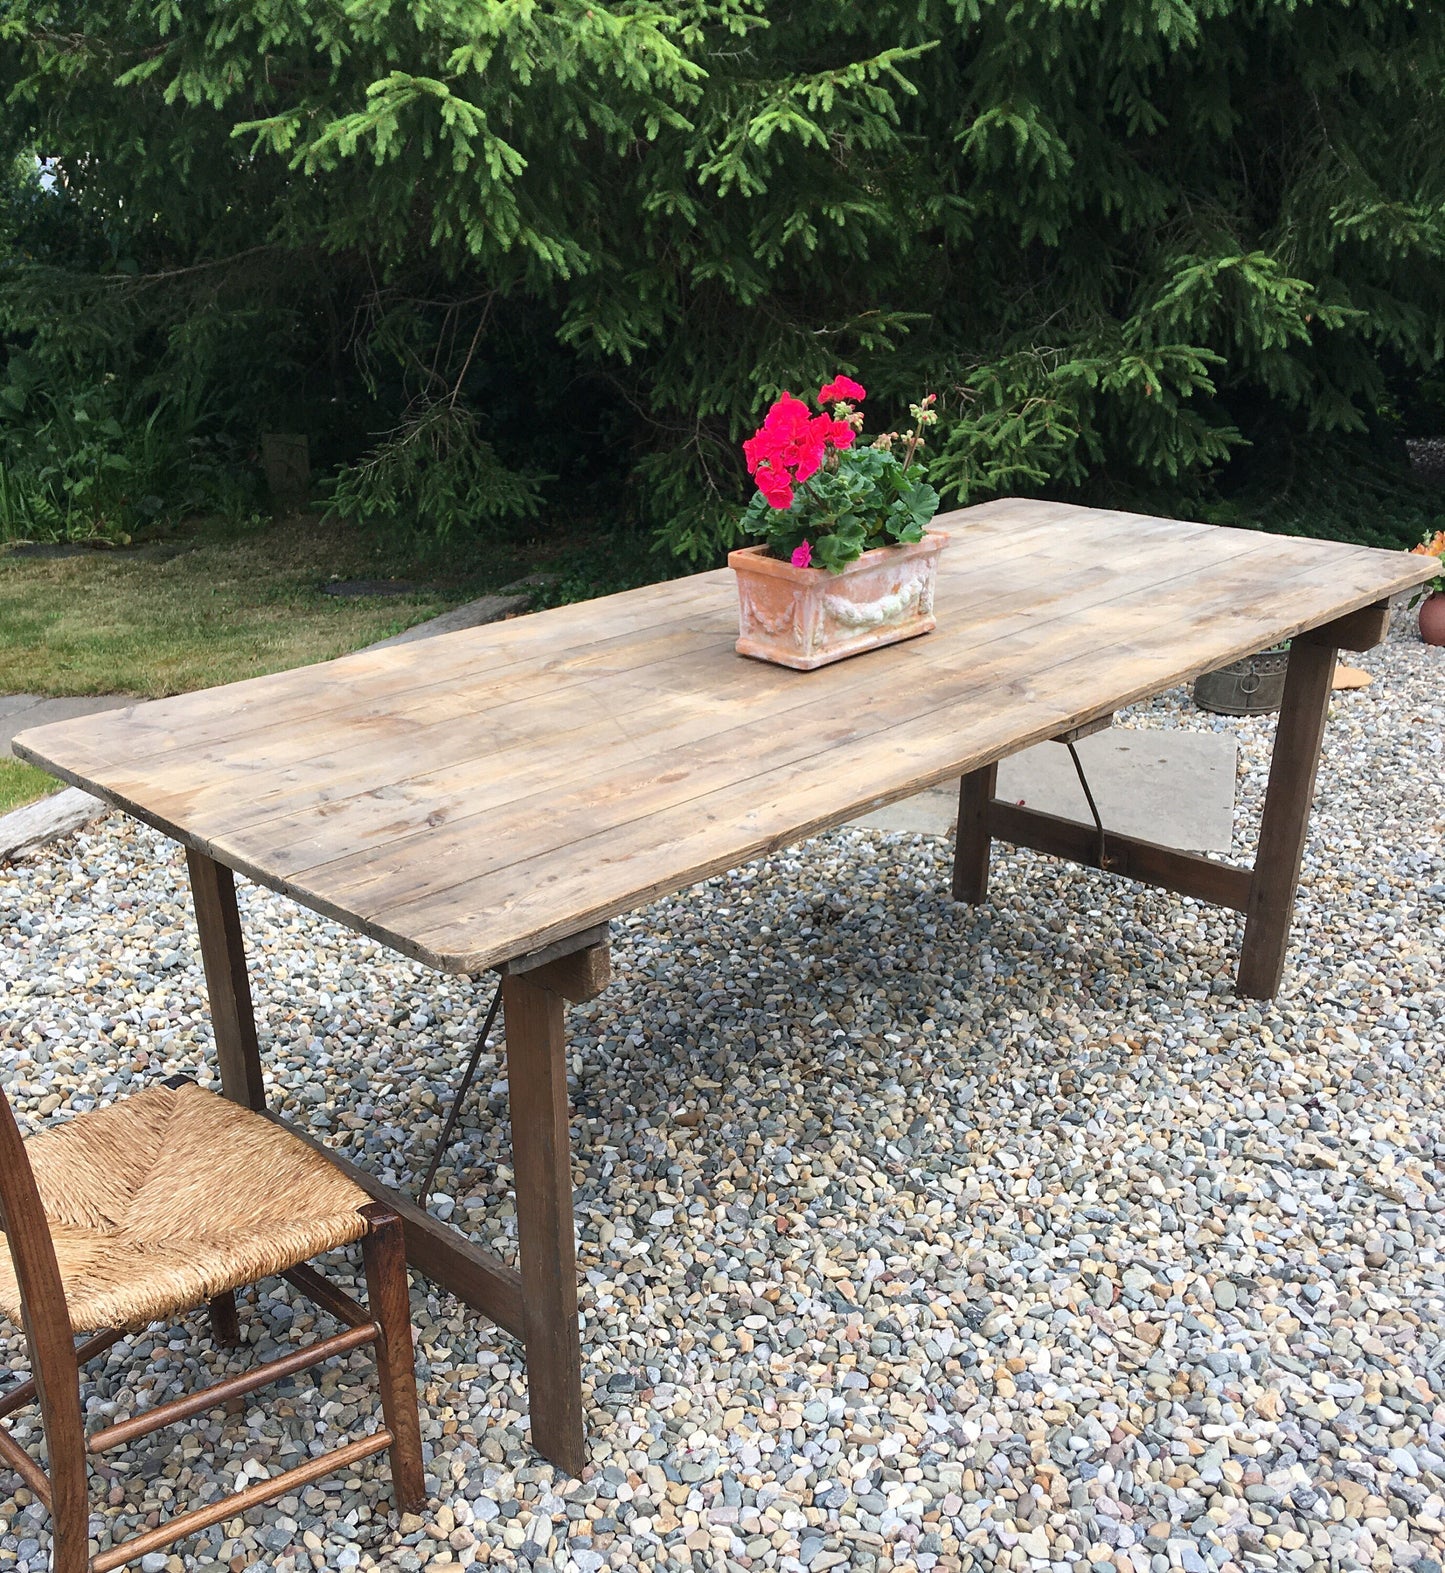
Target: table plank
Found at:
x=447, y=678
x=464, y=753
x=704, y=752
x=472, y=797
x=383, y=696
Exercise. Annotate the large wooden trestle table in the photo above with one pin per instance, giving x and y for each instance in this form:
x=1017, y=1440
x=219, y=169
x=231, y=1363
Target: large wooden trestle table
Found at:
x=487, y=800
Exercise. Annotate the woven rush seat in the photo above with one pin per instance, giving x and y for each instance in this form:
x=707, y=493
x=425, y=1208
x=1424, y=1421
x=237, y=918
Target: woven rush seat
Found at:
x=161, y=1201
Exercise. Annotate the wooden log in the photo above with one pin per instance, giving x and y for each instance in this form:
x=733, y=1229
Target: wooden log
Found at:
x=36, y=825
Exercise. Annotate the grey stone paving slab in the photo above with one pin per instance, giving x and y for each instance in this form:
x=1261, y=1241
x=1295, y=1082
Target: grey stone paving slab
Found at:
x=19, y=712
x=1176, y=788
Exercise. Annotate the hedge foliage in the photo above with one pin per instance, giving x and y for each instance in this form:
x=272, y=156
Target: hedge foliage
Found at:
x=1126, y=241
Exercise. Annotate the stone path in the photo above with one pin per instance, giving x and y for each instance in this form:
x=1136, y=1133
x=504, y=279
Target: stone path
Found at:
x=19, y=712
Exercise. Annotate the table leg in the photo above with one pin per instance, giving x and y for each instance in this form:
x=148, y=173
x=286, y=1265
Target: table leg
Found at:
x=1282, y=831
x=542, y=1161
x=972, y=840
x=223, y=954
x=541, y=1157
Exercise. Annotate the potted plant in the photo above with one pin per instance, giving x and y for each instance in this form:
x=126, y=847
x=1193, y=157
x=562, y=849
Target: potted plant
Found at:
x=846, y=562
x=1431, y=599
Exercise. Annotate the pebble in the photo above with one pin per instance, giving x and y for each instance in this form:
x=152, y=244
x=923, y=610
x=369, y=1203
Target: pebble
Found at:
x=911, y=1236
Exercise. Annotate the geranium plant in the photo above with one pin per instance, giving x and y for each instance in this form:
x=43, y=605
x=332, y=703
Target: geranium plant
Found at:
x=1432, y=546
x=825, y=495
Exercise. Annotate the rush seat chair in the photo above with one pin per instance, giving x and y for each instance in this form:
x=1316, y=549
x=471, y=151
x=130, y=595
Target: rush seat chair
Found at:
x=145, y=1209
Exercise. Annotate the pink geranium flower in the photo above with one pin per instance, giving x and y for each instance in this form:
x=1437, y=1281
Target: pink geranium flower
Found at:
x=776, y=485
x=841, y=388
x=803, y=556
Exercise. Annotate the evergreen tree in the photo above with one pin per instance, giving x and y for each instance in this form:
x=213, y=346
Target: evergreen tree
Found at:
x=1123, y=240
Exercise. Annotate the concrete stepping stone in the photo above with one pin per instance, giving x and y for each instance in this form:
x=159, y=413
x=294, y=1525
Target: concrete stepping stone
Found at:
x=1173, y=788
x=19, y=712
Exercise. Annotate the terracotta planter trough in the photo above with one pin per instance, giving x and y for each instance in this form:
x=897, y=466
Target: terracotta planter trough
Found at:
x=808, y=617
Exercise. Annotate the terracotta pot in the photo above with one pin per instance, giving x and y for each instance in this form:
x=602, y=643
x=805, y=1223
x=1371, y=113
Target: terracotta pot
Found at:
x=1432, y=618
x=809, y=617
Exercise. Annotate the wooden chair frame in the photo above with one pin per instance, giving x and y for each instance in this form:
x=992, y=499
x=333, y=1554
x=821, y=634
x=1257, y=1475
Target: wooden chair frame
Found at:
x=384, y=1323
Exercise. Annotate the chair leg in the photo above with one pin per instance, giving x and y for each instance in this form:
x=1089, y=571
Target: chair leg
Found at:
x=70, y=1540
x=69, y=1471
x=388, y=1296
x=225, y=1327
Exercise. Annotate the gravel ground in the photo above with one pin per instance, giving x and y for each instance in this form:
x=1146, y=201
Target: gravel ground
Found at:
x=913, y=1237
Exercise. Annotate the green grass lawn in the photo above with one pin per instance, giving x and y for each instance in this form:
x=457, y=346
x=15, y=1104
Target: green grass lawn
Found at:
x=21, y=783
x=209, y=607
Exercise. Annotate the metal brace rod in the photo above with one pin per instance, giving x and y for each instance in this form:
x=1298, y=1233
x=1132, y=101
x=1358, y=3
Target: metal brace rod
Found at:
x=557, y=952
x=1089, y=798
x=444, y=1141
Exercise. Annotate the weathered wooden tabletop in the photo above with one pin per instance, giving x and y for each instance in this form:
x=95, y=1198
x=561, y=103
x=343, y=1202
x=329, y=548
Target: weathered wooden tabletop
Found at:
x=470, y=798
